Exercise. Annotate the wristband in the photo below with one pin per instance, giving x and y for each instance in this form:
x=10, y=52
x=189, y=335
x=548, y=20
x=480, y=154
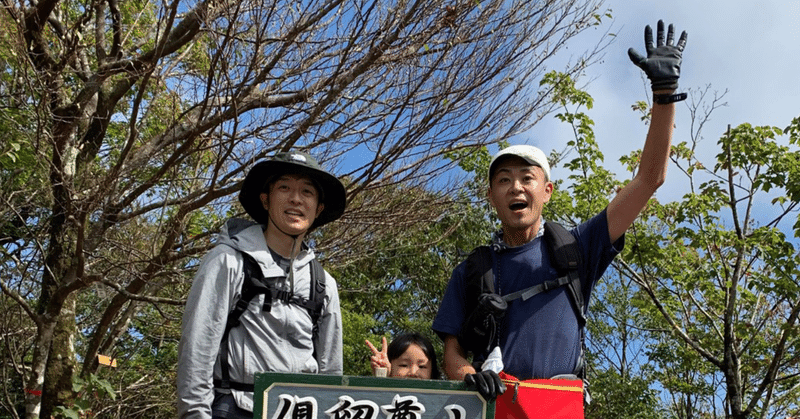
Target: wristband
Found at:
x=667, y=99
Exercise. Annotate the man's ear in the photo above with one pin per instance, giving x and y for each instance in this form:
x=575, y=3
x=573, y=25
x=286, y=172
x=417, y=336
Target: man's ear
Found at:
x=548, y=189
x=320, y=208
x=264, y=200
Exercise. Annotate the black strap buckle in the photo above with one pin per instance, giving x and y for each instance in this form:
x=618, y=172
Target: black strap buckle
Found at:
x=548, y=285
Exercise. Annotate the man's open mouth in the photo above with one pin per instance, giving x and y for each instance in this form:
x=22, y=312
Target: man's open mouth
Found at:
x=516, y=206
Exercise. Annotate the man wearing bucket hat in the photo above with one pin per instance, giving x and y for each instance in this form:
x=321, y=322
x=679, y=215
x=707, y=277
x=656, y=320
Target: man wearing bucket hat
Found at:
x=283, y=329
x=540, y=333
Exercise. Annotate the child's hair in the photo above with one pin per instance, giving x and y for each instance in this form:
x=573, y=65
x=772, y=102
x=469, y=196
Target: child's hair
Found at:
x=401, y=343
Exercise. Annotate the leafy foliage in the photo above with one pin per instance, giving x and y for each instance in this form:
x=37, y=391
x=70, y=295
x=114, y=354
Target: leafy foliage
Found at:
x=88, y=390
x=704, y=299
x=128, y=128
x=719, y=278
x=394, y=285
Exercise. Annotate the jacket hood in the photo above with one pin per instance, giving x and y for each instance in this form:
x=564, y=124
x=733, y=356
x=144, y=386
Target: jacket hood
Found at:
x=248, y=237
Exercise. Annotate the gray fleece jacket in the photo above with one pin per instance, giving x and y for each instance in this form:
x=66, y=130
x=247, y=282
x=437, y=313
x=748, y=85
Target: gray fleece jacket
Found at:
x=279, y=340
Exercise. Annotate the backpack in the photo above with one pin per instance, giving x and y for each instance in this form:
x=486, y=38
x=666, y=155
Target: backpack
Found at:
x=479, y=332
x=255, y=284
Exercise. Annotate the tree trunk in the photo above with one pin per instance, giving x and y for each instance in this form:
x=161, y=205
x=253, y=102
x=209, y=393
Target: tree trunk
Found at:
x=54, y=358
x=33, y=387
x=61, y=364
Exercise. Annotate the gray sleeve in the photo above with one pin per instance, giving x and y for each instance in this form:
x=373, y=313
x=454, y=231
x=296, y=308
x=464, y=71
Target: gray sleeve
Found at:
x=328, y=343
x=201, y=331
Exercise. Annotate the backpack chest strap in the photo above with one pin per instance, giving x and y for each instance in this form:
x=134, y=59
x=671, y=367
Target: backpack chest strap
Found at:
x=529, y=292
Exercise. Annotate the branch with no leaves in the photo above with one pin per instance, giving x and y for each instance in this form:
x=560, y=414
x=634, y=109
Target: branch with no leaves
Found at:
x=138, y=297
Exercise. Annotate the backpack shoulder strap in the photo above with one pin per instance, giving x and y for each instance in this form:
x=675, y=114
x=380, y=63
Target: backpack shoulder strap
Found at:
x=564, y=248
x=252, y=285
x=479, y=275
x=478, y=330
x=566, y=258
x=316, y=296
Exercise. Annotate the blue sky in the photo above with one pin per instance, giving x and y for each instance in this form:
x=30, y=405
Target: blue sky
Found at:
x=751, y=49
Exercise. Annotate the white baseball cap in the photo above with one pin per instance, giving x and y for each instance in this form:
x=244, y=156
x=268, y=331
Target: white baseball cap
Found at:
x=529, y=153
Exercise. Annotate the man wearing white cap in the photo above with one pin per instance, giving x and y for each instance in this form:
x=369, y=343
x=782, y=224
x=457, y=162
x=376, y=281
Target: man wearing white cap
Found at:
x=540, y=336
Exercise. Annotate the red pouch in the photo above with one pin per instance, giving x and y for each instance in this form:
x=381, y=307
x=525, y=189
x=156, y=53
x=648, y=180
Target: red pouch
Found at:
x=540, y=399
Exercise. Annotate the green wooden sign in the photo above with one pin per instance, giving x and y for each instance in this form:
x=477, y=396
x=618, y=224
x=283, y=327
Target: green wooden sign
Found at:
x=311, y=396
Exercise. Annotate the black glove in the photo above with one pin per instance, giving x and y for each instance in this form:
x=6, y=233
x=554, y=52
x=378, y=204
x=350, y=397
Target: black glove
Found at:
x=663, y=62
x=488, y=384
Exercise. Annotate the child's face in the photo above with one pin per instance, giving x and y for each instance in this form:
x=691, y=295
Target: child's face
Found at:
x=412, y=364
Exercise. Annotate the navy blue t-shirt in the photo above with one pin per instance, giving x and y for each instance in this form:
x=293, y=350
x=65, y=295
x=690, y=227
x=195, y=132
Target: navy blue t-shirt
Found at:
x=540, y=337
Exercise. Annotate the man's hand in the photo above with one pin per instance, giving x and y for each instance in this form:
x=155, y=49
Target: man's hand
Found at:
x=663, y=62
x=488, y=384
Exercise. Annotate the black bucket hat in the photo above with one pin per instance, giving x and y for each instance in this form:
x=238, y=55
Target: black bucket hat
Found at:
x=332, y=192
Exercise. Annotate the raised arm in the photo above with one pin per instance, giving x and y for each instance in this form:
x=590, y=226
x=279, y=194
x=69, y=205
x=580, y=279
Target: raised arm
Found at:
x=662, y=66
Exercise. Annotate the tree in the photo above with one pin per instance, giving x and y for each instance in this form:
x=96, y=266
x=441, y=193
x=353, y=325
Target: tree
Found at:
x=720, y=273
x=134, y=123
x=395, y=283
x=707, y=285
x=619, y=374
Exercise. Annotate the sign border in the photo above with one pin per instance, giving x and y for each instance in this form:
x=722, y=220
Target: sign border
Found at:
x=266, y=380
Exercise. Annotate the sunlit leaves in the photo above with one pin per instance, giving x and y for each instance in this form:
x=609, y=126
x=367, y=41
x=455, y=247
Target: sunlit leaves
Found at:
x=589, y=183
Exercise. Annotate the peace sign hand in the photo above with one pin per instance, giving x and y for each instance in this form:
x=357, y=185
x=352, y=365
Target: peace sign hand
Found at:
x=379, y=359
